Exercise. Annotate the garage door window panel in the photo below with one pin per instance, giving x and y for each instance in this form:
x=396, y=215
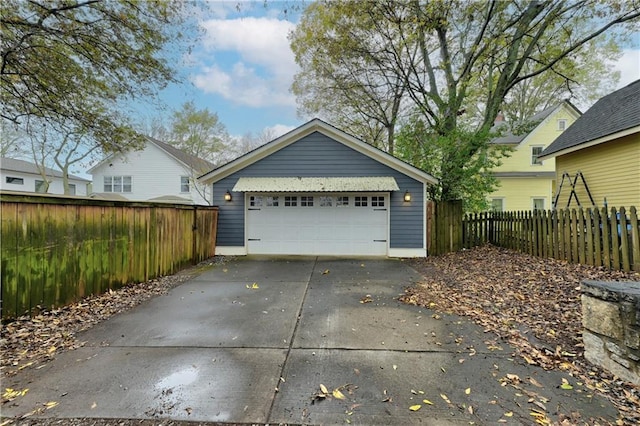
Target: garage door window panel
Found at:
x=272, y=201
x=326, y=201
x=290, y=201
x=306, y=201
x=377, y=201
x=342, y=201
x=255, y=201
x=361, y=201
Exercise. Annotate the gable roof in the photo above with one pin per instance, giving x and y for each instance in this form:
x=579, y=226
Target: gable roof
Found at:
x=510, y=139
x=15, y=165
x=316, y=125
x=191, y=161
x=612, y=117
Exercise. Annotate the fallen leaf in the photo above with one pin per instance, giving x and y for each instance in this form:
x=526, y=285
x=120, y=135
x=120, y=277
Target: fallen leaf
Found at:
x=467, y=391
x=94, y=405
x=50, y=404
x=395, y=367
x=509, y=414
x=426, y=401
x=443, y=396
x=253, y=286
x=324, y=389
x=566, y=386
x=325, y=272
x=415, y=407
x=534, y=382
x=366, y=299
x=11, y=394
x=337, y=394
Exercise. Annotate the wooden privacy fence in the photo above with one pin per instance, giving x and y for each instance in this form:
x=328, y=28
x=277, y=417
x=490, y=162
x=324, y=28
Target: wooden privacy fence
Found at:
x=597, y=237
x=444, y=233
x=56, y=250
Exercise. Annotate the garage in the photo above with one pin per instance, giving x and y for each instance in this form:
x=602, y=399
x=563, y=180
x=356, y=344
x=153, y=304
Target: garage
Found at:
x=317, y=223
x=319, y=191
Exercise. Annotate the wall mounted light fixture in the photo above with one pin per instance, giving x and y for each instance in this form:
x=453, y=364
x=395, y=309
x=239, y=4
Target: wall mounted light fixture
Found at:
x=407, y=196
x=227, y=196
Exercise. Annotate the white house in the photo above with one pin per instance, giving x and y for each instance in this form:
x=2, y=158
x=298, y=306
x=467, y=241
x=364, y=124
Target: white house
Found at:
x=158, y=172
x=20, y=175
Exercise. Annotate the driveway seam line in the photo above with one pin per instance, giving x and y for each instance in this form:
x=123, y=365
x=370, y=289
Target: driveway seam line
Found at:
x=293, y=336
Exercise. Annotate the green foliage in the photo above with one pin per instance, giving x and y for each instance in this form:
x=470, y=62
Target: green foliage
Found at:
x=456, y=63
x=72, y=63
x=198, y=132
x=446, y=157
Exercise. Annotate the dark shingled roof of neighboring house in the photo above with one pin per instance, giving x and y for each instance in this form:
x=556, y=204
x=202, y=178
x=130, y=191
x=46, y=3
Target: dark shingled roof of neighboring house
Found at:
x=15, y=165
x=198, y=164
x=612, y=114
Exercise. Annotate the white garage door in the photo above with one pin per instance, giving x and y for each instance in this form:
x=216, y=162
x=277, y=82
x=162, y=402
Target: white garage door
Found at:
x=318, y=224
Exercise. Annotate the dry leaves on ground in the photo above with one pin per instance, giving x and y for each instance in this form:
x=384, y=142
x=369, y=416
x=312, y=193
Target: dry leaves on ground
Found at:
x=30, y=342
x=531, y=302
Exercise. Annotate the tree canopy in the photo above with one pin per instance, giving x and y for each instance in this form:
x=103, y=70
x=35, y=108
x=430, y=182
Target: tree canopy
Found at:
x=457, y=63
x=73, y=63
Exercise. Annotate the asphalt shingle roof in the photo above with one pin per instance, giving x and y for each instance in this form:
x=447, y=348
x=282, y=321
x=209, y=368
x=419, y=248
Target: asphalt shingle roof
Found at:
x=198, y=164
x=16, y=165
x=613, y=113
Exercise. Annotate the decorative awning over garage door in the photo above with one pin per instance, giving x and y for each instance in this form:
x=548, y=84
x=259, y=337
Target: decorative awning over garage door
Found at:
x=316, y=184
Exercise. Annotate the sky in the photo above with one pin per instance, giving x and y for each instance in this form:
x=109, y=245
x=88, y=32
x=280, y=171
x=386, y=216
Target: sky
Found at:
x=242, y=67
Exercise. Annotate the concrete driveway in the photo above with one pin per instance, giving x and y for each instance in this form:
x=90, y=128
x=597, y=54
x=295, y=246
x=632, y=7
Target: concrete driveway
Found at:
x=251, y=341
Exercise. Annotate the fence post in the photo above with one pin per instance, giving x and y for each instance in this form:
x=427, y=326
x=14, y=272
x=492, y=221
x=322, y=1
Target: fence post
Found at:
x=597, y=238
x=624, y=240
x=615, y=240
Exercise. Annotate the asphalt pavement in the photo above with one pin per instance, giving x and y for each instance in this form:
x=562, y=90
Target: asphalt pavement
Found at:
x=253, y=340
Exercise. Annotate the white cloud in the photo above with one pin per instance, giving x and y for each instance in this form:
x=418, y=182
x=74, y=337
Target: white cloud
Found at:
x=278, y=130
x=629, y=67
x=264, y=71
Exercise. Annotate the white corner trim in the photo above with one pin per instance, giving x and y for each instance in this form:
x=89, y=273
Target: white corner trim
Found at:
x=407, y=252
x=231, y=250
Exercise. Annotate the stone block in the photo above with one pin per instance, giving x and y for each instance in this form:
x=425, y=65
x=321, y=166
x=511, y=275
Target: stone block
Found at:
x=595, y=352
x=614, y=348
x=602, y=317
x=621, y=360
x=593, y=348
x=632, y=337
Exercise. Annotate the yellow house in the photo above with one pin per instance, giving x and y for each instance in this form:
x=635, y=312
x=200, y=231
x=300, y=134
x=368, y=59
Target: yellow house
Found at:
x=600, y=152
x=527, y=182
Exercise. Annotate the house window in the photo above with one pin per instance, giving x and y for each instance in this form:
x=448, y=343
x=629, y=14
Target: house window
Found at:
x=377, y=201
x=272, y=201
x=562, y=124
x=40, y=186
x=72, y=189
x=361, y=201
x=290, y=201
x=326, y=201
x=535, y=153
x=14, y=180
x=538, y=203
x=117, y=184
x=497, y=204
x=306, y=201
x=342, y=201
x=184, y=184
